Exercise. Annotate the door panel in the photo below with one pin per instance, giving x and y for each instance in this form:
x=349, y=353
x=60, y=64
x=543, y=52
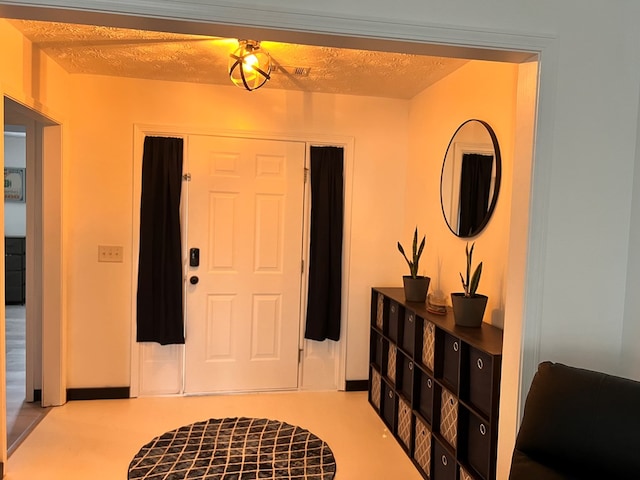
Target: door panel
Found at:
x=245, y=214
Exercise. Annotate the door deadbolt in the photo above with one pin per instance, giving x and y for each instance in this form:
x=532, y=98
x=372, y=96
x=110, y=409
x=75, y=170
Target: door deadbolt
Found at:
x=194, y=257
x=193, y=280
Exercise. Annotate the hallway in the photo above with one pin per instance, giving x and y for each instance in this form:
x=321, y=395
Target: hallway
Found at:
x=21, y=416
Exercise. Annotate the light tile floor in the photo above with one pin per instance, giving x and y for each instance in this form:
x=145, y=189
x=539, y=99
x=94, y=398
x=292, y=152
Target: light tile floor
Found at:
x=97, y=439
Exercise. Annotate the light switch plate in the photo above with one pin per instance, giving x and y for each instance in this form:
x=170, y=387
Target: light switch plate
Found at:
x=110, y=253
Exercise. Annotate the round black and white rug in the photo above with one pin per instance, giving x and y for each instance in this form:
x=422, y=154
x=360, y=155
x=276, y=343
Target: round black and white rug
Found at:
x=234, y=449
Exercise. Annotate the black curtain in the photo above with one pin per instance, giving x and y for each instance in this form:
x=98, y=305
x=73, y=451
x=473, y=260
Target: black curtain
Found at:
x=325, y=258
x=159, y=307
x=475, y=186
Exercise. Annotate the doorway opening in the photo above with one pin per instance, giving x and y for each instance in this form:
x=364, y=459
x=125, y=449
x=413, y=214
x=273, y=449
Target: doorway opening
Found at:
x=28, y=136
x=23, y=386
x=23, y=403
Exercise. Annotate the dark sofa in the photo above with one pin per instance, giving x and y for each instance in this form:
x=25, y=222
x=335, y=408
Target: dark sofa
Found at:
x=578, y=424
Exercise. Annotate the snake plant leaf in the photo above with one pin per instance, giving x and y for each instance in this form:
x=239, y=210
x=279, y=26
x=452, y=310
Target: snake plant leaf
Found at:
x=417, y=257
x=409, y=262
x=475, y=280
x=464, y=286
x=469, y=259
x=470, y=282
x=415, y=243
x=416, y=253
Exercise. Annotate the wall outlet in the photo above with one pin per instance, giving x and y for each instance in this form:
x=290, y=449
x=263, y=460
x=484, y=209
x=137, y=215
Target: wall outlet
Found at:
x=109, y=253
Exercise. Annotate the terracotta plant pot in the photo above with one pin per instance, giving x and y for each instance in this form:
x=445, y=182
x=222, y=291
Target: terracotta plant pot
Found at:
x=468, y=311
x=415, y=289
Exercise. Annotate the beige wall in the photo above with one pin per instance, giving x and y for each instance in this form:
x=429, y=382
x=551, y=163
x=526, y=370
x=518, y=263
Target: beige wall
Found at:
x=98, y=121
x=103, y=112
x=33, y=80
x=99, y=174
x=30, y=77
x=484, y=91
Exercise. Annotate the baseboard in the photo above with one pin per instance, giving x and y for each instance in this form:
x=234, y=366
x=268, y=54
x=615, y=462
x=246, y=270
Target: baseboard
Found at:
x=101, y=393
x=357, y=385
x=37, y=395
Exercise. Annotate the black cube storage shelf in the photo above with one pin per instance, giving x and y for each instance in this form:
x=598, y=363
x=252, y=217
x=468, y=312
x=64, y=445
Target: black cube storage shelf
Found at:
x=436, y=386
x=15, y=270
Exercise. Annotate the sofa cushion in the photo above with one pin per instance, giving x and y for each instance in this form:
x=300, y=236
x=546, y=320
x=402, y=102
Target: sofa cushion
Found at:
x=579, y=424
x=526, y=468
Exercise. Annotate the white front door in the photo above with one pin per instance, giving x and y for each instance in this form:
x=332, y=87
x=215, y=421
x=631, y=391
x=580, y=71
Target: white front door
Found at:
x=245, y=215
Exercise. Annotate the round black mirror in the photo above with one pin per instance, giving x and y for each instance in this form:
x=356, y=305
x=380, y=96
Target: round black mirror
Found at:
x=470, y=178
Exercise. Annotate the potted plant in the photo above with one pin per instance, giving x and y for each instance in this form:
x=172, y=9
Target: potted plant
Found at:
x=469, y=306
x=415, y=286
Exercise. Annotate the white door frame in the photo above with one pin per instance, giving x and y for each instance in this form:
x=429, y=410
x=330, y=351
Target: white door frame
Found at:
x=14, y=115
x=174, y=354
x=142, y=130
x=45, y=280
x=308, y=347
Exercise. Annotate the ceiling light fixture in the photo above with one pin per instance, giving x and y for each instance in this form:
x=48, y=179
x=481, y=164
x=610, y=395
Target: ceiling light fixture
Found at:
x=249, y=65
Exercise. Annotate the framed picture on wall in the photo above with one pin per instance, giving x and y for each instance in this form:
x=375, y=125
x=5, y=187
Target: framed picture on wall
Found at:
x=14, y=184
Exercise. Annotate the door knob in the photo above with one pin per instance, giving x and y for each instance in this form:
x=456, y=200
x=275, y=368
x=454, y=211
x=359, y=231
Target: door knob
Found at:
x=193, y=280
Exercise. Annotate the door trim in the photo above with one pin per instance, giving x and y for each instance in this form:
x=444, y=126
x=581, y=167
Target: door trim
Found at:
x=139, y=132
x=347, y=144
x=45, y=279
x=142, y=130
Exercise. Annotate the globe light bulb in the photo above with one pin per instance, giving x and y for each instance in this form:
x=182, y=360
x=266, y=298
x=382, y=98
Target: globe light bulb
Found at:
x=249, y=65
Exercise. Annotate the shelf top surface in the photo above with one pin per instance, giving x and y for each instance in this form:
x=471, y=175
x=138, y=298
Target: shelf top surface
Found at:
x=487, y=337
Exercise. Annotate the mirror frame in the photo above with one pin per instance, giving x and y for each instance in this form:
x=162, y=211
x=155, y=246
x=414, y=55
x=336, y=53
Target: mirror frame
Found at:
x=496, y=189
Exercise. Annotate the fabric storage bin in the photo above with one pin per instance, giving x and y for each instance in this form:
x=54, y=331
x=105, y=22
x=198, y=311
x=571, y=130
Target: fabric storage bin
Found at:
x=375, y=389
x=403, y=429
x=405, y=383
x=392, y=328
x=451, y=360
x=377, y=350
x=408, y=332
x=444, y=464
x=478, y=444
x=425, y=392
x=422, y=446
x=380, y=312
x=428, y=344
x=464, y=475
x=391, y=363
x=449, y=417
x=480, y=384
x=388, y=400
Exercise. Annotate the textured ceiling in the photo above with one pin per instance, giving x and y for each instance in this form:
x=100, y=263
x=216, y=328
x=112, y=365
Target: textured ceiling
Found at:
x=191, y=58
